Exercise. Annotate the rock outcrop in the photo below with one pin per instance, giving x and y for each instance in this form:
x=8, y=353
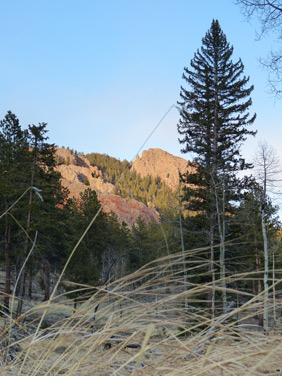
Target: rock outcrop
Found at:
x=78, y=175
x=157, y=162
x=127, y=210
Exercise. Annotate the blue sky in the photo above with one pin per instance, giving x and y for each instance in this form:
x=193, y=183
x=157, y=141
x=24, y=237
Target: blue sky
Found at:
x=103, y=73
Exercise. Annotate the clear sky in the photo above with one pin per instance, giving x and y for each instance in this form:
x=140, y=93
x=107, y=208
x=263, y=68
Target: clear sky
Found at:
x=102, y=73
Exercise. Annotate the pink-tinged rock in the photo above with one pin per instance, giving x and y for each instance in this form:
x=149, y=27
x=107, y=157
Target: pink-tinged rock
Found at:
x=157, y=162
x=79, y=175
x=127, y=210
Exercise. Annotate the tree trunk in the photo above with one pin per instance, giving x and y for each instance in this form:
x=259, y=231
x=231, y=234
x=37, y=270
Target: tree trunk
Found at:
x=274, y=290
x=221, y=230
x=24, y=271
x=30, y=274
x=46, y=278
x=214, y=172
x=266, y=271
x=183, y=254
x=259, y=288
x=7, y=290
x=21, y=293
x=211, y=293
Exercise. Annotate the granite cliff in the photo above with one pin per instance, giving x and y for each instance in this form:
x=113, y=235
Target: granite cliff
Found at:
x=78, y=175
x=157, y=162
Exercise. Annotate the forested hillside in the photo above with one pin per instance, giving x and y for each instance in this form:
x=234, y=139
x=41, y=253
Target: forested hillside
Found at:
x=152, y=191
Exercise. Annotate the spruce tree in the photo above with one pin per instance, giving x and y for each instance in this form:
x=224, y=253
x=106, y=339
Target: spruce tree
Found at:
x=26, y=161
x=214, y=116
x=42, y=217
x=85, y=265
x=13, y=162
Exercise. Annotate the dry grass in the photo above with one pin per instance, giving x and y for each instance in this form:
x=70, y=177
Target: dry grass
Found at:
x=138, y=326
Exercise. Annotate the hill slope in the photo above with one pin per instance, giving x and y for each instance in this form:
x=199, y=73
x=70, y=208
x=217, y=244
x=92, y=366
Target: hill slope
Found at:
x=145, y=188
x=78, y=175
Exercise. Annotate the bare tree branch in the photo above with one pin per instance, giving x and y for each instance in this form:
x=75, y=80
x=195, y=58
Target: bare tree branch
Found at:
x=269, y=13
x=268, y=169
x=271, y=4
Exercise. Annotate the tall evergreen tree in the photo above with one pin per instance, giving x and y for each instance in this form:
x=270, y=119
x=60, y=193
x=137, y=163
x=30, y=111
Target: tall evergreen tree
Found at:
x=28, y=161
x=13, y=162
x=85, y=265
x=213, y=124
x=43, y=217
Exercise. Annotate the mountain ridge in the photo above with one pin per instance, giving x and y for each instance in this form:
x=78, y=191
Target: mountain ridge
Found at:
x=158, y=162
x=79, y=174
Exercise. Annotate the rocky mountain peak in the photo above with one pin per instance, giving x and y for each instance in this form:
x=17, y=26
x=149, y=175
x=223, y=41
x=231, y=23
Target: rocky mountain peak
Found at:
x=78, y=175
x=157, y=162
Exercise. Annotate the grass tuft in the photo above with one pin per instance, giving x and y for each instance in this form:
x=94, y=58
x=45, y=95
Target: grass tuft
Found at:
x=138, y=325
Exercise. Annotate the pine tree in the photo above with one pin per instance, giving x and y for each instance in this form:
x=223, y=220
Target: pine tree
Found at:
x=114, y=255
x=28, y=161
x=213, y=124
x=86, y=264
x=42, y=217
x=13, y=162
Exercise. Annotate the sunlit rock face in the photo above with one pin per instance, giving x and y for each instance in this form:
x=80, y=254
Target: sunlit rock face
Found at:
x=78, y=175
x=157, y=162
x=127, y=210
